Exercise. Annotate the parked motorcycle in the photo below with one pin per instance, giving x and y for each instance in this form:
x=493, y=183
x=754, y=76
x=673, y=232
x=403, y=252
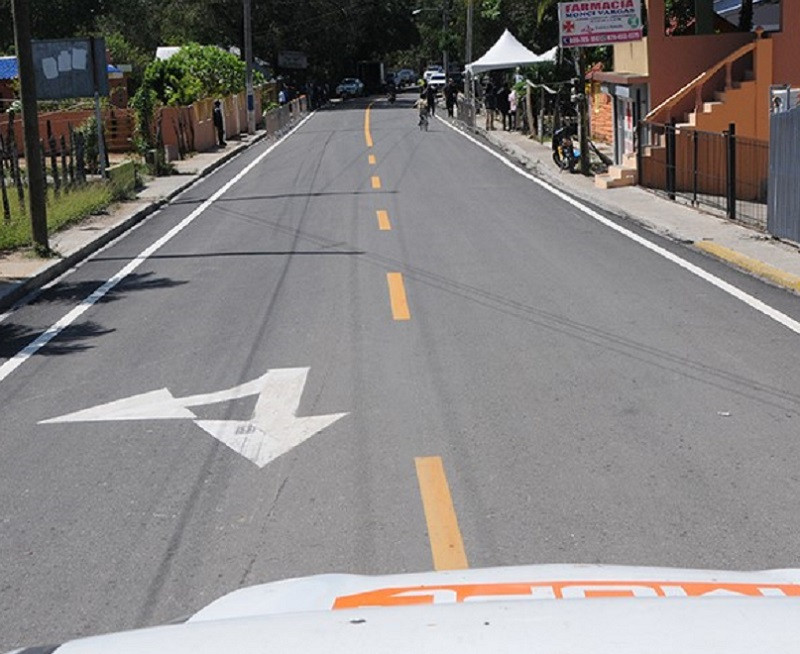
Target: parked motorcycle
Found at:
x=566, y=154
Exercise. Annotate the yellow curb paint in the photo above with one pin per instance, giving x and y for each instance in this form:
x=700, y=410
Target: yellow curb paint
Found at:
x=371, y=159
x=383, y=220
x=376, y=181
x=759, y=268
x=397, y=296
x=367, y=133
x=447, y=545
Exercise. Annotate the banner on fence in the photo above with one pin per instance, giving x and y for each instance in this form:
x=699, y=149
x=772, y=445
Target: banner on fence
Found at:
x=599, y=22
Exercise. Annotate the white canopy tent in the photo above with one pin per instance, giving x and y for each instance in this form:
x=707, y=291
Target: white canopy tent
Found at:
x=508, y=53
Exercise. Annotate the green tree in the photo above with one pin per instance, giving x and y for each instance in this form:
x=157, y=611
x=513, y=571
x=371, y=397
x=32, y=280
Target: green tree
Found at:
x=194, y=72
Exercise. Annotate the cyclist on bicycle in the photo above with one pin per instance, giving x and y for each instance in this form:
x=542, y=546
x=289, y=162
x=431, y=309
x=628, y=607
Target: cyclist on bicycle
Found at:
x=421, y=105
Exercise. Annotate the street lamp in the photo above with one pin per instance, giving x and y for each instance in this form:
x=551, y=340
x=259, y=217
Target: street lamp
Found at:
x=443, y=9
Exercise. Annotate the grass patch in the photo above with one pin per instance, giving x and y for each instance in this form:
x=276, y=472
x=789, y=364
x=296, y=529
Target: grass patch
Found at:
x=66, y=209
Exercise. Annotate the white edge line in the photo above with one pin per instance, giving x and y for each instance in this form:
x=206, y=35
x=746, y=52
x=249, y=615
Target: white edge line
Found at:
x=730, y=289
x=35, y=293
x=54, y=330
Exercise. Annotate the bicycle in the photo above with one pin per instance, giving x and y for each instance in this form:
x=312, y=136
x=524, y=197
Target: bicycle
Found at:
x=423, y=122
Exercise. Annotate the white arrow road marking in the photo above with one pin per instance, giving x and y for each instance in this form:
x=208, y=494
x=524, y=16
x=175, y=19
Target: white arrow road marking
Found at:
x=155, y=405
x=273, y=430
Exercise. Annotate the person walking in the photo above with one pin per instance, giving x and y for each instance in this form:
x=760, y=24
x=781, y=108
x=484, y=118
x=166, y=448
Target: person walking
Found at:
x=512, y=110
x=502, y=104
x=219, y=125
x=490, y=104
x=430, y=96
x=450, y=96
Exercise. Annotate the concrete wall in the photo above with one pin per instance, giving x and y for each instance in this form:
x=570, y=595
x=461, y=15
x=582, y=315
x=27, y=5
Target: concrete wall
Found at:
x=118, y=126
x=748, y=105
x=632, y=57
x=786, y=67
x=674, y=61
x=198, y=123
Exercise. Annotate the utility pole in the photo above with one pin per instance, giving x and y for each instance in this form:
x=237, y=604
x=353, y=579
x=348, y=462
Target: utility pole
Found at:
x=444, y=40
x=30, y=121
x=468, y=53
x=583, y=114
x=98, y=115
x=248, y=62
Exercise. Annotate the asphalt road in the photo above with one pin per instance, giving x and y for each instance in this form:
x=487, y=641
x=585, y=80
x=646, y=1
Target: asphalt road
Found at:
x=588, y=399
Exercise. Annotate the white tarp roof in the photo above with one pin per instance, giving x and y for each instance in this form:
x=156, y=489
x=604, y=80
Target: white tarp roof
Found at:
x=508, y=53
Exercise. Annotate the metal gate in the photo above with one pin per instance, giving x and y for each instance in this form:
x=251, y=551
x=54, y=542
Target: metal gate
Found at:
x=783, y=213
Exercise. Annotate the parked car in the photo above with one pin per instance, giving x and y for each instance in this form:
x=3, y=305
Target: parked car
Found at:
x=430, y=70
x=405, y=77
x=437, y=81
x=350, y=87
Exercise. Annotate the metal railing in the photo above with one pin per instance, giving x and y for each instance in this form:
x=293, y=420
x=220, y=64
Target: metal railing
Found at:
x=720, y=171
x=466, y=111
x=277, y=120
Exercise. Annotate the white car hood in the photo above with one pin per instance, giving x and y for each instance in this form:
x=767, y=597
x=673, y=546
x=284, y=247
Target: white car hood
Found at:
x=520, y=583
x=542, y=609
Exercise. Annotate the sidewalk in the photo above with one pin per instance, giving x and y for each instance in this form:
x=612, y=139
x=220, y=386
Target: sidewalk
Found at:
x=22, y=273
x=758, y=253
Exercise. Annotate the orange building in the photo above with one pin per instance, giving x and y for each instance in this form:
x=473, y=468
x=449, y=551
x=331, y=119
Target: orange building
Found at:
x=704, y=74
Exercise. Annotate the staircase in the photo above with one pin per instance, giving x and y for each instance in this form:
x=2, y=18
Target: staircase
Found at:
x=715, y=115
x=734, y=90
x=619, y=175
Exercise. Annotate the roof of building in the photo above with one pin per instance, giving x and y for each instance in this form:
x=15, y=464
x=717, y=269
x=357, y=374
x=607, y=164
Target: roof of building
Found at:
x=164, y=52
x=9, y=69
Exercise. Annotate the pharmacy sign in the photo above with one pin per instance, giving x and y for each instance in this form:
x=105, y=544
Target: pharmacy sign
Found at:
x=599, y=22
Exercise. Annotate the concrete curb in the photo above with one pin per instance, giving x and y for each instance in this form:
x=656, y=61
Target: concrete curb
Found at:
x=58, y=267
x=748, y=264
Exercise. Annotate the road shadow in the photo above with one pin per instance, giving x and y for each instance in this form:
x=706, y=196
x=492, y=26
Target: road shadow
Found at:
x=267, y=253
x=14, y=337
x=71, y=292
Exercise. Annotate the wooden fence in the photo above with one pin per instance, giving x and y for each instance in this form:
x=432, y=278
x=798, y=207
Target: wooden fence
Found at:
x=63, y=160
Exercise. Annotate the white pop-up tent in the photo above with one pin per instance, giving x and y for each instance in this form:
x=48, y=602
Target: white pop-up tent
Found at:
x=508, y=53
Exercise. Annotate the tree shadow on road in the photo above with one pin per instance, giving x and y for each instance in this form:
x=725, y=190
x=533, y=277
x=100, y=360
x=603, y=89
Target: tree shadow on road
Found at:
x=14, y=337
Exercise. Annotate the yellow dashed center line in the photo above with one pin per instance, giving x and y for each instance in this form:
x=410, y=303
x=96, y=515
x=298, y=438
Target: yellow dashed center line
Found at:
x=447, y=546
x=383, y=220
x=367, y=134
x=376, y=181
x=371, y=159
x=397, y=296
